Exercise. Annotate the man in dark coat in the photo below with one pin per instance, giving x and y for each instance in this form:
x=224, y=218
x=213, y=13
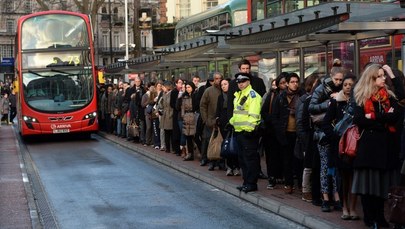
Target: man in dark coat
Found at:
x=284, y=124
x=13, y=106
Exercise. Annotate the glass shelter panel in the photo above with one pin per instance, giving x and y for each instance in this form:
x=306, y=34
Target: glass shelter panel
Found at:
x=290, y=61
x=267, y=68
x=223, y=68
x=314, y=61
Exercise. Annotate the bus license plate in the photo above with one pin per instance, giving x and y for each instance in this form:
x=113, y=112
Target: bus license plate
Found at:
x=61, y=131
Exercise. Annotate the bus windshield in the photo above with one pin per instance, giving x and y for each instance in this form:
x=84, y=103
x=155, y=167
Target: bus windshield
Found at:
x=54, y=31
x=58, y=91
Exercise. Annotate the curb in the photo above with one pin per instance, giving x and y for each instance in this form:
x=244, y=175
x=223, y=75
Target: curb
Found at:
x=274, y=206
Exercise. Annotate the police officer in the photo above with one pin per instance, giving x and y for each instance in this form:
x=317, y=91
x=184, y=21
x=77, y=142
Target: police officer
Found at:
x=245, y=120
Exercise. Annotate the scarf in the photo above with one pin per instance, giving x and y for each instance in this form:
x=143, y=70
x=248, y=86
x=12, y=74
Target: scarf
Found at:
x=225, y=96
x=382, y=97
x=292, y=98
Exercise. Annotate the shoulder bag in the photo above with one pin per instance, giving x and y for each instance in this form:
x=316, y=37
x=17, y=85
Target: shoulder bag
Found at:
x=396, y=205
x=348, y=141
x=133, y=130
x=214, y=147
x=345, y=122
x=229, y=146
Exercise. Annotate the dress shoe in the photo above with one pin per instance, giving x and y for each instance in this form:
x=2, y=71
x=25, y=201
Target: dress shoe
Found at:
x=375, y=225
x=183, y=152
x=325, y=206
x=383, y=223
x=189, y=157
x=221, y=166
x=288, y=189
x=211, y=166
x=240, y=188
x=262, y=176
x=247, y=189
x=203, y=162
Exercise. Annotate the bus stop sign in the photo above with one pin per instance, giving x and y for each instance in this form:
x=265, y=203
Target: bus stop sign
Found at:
x=7, y=61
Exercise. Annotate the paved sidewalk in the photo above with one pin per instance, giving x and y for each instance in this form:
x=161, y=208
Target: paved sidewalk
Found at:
x=288, y=206
x=14, y=202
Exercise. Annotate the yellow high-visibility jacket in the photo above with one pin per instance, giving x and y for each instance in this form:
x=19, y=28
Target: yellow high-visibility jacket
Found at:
x=246, y=112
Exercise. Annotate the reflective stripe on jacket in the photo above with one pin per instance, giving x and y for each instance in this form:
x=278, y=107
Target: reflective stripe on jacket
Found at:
x=246, y=112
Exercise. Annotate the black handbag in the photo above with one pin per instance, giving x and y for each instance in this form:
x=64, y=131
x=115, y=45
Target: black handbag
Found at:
x=229, y=147
x=345, y=122
x=396, y=205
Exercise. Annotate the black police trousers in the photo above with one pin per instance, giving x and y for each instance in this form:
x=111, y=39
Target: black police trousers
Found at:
x=249, y=158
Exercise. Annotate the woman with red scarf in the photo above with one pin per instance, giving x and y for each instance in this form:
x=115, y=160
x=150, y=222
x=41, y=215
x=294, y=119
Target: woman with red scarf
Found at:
x=379, y=117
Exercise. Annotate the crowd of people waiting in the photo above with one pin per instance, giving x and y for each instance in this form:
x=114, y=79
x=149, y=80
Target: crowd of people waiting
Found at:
x=8, y=104
x=298, y=137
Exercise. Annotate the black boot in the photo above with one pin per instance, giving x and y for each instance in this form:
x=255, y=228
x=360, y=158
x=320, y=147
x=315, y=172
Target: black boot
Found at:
x=211, y=166
x=365, y=202
x=380, y=218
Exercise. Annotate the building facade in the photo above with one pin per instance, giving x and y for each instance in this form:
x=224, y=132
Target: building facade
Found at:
x=108, y=27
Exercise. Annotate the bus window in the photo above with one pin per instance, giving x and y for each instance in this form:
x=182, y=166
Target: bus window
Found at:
x=190, y=32
x=239, y=17
x=47, y=31
x=274, y=8
x=290, y=6
x=224, y=21
x=197, y=29
x=214, y=23
x=205, y=25
x=257, y=10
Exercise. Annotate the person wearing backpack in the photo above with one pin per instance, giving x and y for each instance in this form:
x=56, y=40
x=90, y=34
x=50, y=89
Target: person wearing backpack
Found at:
x=376, y=164
x=337, y=109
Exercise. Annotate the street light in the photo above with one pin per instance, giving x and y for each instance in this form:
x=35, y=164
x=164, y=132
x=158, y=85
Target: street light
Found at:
x=126, y=58
x=126, y=32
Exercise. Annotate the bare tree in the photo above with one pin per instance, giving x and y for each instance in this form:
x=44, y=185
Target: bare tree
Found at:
x=89, y=7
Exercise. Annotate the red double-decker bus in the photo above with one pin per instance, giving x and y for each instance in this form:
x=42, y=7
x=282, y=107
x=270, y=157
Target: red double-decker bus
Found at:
x=56, y=74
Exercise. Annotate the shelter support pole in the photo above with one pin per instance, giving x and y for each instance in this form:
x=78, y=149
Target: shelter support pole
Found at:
x=278, y=63
x=356, y=58
x=302, y=65
x=393, y=64
x=402, y=54
x=327, y=70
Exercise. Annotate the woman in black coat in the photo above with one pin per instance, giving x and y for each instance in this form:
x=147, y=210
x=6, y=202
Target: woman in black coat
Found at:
x=232, y=163
x=376, y=164
x=334, y=114
x=272, y=148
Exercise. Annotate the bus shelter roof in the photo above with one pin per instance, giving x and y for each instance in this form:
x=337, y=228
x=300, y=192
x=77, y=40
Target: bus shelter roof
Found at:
x=312, y=26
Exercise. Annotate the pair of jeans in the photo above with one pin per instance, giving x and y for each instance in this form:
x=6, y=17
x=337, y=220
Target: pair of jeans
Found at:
x=156, y=132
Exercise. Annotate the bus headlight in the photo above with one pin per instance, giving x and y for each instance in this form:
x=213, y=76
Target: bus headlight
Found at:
x=29, y=119
x=91, y=115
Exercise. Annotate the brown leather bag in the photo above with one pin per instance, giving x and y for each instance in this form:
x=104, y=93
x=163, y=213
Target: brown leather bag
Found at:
x=133, y=130
x=214, y=147
x=396, y=205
